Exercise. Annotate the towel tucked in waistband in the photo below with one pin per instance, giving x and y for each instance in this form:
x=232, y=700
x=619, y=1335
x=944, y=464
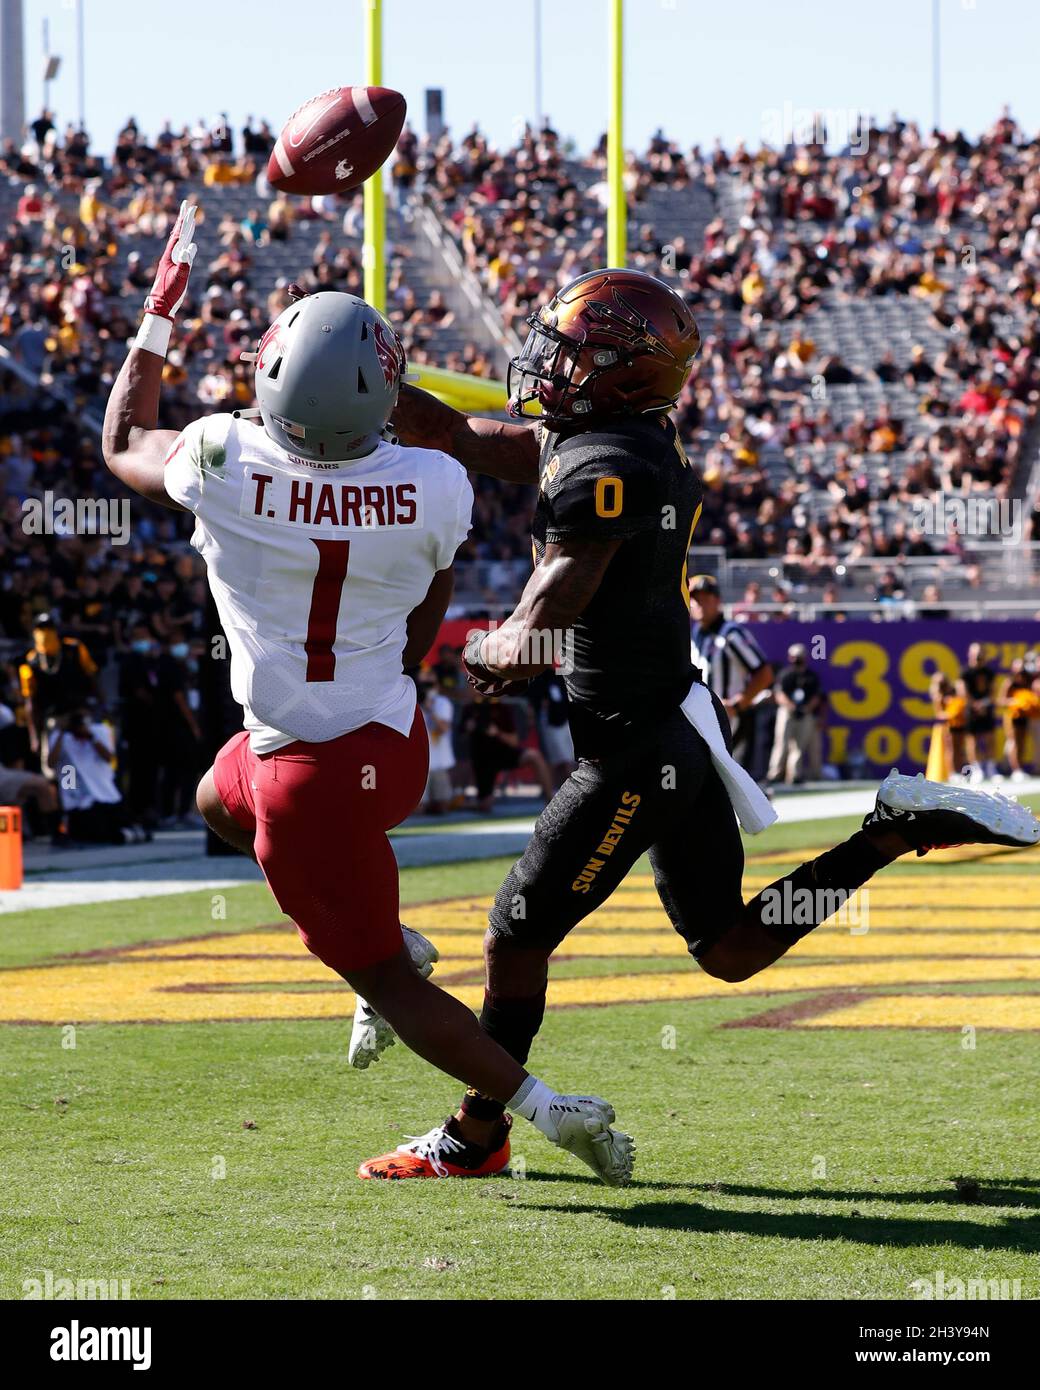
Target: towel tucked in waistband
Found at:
x=753, y=808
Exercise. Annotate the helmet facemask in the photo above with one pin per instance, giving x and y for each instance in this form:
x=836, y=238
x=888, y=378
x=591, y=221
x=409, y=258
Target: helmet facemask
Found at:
x=564, y=372
x=548, y=369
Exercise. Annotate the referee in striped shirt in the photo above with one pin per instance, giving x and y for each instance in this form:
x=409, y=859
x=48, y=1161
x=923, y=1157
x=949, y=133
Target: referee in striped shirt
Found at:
x=734, y=667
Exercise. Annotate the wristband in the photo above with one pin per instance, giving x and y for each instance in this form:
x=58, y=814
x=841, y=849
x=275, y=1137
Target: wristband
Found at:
x=154, y=334
x=471, y=657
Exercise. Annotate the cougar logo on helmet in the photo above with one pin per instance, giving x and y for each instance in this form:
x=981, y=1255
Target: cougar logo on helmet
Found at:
x=389, y=350
x=270, y=347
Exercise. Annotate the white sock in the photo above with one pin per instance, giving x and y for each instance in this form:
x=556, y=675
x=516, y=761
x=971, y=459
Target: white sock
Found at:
x=532, y=1101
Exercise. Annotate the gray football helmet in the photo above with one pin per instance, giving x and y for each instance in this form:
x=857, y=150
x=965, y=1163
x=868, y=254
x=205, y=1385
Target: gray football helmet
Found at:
x=327, y=375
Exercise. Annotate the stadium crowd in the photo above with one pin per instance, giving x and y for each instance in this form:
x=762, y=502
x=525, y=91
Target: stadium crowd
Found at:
x=793, y=471
x=950, y=224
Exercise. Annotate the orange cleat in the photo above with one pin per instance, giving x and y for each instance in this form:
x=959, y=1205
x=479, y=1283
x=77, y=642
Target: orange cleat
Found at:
x=440, y=1154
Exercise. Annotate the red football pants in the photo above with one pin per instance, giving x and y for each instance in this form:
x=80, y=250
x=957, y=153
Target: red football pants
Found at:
x=320, y=813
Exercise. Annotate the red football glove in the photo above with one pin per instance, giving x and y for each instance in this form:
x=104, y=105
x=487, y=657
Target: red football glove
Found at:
x=171, y=284
x=483, y=680
x=171, y=276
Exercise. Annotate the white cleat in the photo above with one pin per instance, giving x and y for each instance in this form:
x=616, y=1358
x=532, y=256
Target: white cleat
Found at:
x=582, y=1125
x=934, y=815
x=371, y=1035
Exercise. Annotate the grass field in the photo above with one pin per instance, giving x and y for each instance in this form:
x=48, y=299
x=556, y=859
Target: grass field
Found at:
x=177, y=1111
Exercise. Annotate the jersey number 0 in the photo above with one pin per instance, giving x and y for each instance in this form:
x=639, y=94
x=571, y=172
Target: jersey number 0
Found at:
x=609, y=492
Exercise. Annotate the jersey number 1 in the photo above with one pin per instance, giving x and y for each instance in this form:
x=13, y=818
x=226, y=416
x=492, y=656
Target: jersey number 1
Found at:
x=333, y=558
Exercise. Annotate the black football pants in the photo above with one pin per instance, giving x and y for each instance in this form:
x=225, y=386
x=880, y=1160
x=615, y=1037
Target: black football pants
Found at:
x=660, y=794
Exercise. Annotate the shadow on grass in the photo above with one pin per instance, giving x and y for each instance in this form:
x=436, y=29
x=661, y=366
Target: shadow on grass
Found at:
x=1021, y=1235
x=587, y=1180
x=996, y=1192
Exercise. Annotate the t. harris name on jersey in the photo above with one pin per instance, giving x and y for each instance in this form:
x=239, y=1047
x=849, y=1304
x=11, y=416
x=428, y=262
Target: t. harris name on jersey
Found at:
x=276, y=498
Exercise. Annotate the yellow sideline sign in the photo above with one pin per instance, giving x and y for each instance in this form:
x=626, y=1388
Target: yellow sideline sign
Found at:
x=926, y=938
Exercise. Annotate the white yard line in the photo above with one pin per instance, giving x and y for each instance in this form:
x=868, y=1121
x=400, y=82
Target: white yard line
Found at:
x=174, y=861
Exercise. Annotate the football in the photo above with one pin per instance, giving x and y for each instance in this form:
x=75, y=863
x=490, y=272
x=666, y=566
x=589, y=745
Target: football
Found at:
x=336, y=140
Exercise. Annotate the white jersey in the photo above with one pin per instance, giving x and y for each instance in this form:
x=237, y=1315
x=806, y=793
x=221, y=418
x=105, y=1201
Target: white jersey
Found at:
x=94, y=777
x=314, y=569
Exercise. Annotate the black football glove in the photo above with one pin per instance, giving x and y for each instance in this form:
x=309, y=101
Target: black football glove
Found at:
x=483, y=681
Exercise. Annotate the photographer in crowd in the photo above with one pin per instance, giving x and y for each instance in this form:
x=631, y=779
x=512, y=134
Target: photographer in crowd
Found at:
x=82, y=759
x=496, y=746
x=800, y=702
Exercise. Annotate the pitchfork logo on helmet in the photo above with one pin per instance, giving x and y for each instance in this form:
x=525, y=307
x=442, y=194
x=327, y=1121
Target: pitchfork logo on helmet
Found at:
x=611, y=343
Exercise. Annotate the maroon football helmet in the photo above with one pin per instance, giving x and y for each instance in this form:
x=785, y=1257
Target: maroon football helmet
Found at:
x=611, y=343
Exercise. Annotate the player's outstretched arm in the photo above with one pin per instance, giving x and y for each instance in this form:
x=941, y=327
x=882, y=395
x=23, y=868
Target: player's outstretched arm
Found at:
x=134, y=449
x=493, y=447
x=536, y=633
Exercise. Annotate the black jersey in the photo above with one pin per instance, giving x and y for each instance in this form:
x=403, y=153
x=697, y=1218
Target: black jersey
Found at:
x=629, y=661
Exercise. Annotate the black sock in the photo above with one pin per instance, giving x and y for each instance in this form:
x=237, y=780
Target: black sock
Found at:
x=793, y=906
x=514, y=1024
